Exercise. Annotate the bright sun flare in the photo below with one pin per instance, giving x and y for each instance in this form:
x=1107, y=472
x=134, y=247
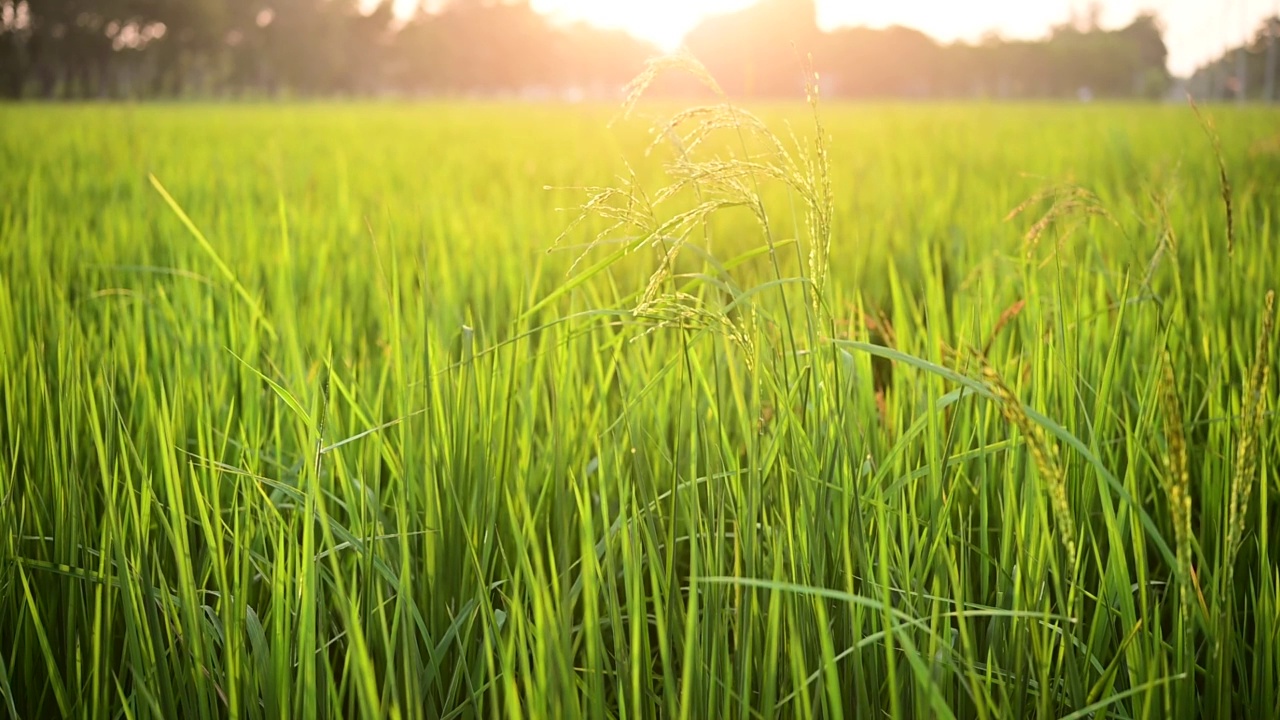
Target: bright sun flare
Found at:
x=1196, y=27
x=662, y=22
x=665, y=22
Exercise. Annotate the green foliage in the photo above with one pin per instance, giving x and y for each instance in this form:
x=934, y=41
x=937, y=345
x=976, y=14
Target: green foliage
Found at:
x=299, y=416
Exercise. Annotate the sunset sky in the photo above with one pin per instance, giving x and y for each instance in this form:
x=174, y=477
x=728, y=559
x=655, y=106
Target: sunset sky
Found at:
x=1196, y=29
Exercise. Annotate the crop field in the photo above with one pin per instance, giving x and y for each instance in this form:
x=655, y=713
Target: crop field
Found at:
x=477, y=410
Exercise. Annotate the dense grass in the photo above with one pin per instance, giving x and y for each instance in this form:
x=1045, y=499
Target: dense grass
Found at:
x=354, y=443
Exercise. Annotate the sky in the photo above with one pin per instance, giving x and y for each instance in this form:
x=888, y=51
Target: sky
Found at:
x=1195, y=30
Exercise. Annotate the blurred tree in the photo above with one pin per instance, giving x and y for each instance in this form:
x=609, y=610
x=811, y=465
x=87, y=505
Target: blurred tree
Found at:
x=15, y=47
x=66, y=48
x=1255, y=60
x=595, y=62
x=367, y=49
x=1271, y=39
x=477, y=45
x=760, y=50
x=187, y=54
x=1150, y=58
x=894, y=62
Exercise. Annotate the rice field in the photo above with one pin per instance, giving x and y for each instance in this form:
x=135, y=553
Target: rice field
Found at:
x=354, y=410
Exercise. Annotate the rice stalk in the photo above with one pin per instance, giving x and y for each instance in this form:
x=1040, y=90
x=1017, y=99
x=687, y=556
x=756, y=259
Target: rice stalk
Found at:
x=1252, y=422
x=1224, y=181
x=1044, y=453
x=1177, y=478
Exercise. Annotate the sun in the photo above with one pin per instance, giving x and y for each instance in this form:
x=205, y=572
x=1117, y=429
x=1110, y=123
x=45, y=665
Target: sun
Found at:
x=661, y=22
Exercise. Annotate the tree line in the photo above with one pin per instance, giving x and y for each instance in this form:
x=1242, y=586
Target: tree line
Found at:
x=1250, y=71
x=172, y=48
x=272, y=48
x=1078, y=57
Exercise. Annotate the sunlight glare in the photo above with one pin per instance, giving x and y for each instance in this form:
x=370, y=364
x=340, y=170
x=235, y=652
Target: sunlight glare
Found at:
x=662, y=22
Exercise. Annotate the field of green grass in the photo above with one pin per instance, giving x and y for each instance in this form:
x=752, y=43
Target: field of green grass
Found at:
x=336, y=411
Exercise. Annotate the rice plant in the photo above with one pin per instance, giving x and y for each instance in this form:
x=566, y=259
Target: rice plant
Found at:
x=796, y=412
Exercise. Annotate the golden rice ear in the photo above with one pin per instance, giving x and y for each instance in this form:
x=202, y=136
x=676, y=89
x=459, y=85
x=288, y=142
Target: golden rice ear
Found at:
x=1255, y=401
x=1043, y=452
x=681, y=60
x=1006, y=317
x=1224, y=180
x=1177, y=478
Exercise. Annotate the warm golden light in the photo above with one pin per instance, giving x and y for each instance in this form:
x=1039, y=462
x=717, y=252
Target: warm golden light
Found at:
x=1196, y=30
x=662, y=22
x=665, y=22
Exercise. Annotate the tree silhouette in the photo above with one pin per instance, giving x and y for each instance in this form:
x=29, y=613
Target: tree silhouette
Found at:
x=1259, y=58
x=757, y=50
x=150, y=48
